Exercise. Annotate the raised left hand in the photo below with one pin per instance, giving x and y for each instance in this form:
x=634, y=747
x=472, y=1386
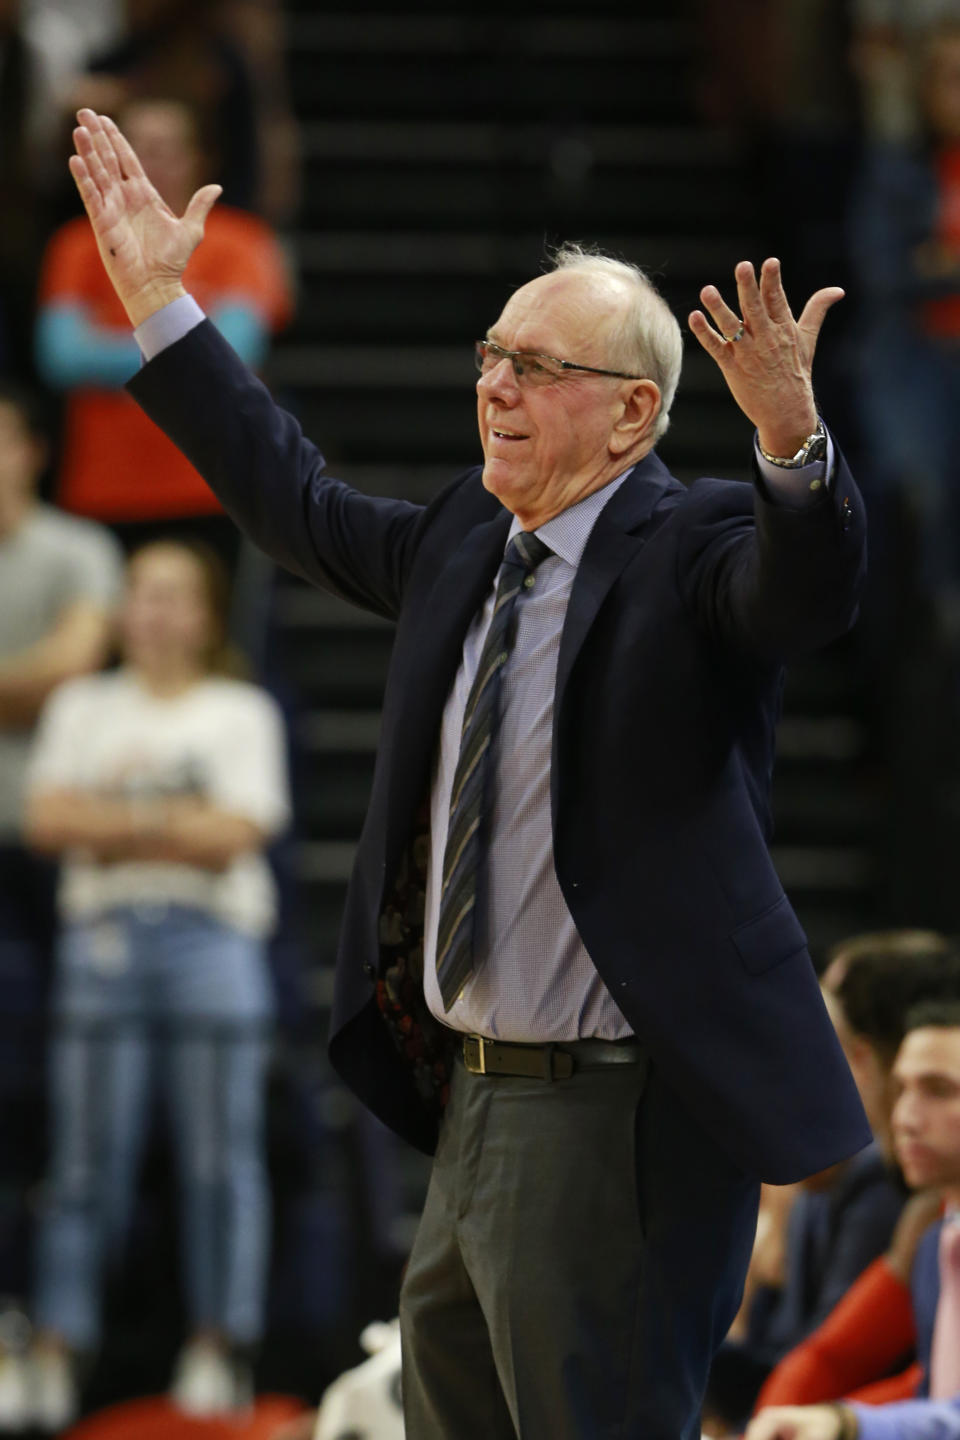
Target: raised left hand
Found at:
x=143, y=245
x=768, y=370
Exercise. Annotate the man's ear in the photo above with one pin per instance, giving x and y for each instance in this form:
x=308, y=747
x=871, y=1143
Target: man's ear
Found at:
x=641, y=406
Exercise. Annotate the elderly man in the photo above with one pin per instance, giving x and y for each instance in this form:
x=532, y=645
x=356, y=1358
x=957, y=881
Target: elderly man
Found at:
x=600, y=1013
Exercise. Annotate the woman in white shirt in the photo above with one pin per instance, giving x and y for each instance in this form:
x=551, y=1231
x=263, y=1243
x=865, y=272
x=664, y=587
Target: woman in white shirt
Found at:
x=159, y=785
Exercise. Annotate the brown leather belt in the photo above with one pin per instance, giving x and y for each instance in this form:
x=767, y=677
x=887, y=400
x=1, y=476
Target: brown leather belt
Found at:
x=546, y=1062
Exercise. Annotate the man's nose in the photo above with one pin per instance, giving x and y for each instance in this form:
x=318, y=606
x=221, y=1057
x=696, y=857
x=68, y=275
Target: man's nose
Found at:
x=499, y=382
x=903, y=1116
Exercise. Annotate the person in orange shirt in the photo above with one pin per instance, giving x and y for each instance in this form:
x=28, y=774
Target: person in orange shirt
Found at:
x=116, y=465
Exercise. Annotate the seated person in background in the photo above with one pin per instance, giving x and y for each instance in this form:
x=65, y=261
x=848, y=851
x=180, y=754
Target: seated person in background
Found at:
x=159, y=785
x=870, y=986
x=836, y=1223
x=59, y=580
x=904, y=942
x=84, y=345
x=926, y=1136
x=870, y=1333
x=840, y=1221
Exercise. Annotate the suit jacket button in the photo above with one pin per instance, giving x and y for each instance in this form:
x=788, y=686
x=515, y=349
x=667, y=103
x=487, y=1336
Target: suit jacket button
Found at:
x=369, y=970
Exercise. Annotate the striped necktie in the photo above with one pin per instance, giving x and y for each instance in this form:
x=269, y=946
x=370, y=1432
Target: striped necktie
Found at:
x=470, y=798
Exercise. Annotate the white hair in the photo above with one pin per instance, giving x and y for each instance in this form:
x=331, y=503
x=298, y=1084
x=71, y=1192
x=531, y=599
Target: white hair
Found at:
x=648, y=340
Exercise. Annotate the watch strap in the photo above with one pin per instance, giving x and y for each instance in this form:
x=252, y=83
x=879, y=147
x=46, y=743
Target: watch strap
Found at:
x=813, y=449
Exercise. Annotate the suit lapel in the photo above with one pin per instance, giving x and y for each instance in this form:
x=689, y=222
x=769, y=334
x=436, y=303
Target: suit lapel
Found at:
x=613, y=541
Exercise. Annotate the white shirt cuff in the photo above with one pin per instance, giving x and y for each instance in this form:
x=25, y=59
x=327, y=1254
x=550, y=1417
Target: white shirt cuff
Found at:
x=165, y=327
x=794, y=488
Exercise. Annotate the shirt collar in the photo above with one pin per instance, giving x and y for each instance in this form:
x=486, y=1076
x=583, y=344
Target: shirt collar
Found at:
x=567, y=533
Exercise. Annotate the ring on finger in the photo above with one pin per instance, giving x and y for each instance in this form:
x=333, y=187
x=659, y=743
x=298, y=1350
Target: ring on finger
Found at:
x=732, y=339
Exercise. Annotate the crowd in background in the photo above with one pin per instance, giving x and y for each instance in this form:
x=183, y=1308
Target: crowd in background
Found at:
x=144, y=773
x=139, y=758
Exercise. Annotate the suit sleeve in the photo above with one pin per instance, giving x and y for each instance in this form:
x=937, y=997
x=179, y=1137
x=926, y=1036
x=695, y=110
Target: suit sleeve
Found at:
x=272, y=480
x=770, y=580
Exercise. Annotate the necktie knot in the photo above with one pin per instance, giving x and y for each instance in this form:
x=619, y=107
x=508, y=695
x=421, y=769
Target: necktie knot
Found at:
x=527, y=550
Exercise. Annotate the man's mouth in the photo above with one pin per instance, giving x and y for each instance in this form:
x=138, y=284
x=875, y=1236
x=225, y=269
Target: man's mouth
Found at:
x=506, y=434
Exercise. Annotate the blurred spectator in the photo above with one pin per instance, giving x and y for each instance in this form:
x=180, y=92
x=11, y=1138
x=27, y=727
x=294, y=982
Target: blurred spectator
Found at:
x=843, y=1220
x=886, y=34
x=879, y=979
x=159, y=785
x=259, y=28
x=905, y=242
x=904, y=943
x=68, y=33
x=28, y=116
x=182, y=49
x=866, y=1346
x=59, y=579
x=926, y=1131
x=116, y=465
x=225, y=58
x=839, y=1222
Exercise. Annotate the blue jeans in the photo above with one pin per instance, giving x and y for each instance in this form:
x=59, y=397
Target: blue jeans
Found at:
x=173, y=992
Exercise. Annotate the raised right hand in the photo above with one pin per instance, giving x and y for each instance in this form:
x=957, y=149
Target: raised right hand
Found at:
x=143, y=245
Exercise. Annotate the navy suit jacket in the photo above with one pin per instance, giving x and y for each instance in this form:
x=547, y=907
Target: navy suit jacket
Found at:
x=684, y=606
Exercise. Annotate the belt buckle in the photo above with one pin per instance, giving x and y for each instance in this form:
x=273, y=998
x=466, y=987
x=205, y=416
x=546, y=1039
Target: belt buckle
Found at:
x=474, y=1057
x=558, y=1064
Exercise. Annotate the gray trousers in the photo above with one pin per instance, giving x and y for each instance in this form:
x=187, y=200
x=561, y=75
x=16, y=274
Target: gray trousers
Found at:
x=548, y=1295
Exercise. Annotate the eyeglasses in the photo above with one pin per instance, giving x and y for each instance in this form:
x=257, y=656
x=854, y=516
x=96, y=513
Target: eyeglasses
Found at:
x=532, y=367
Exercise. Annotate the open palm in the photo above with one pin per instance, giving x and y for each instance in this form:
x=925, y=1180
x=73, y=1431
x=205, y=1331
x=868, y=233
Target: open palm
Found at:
x=144, y=246
x=764, y=354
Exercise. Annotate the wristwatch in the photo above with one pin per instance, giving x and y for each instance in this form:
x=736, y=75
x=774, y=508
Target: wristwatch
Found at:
x=813, y=448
